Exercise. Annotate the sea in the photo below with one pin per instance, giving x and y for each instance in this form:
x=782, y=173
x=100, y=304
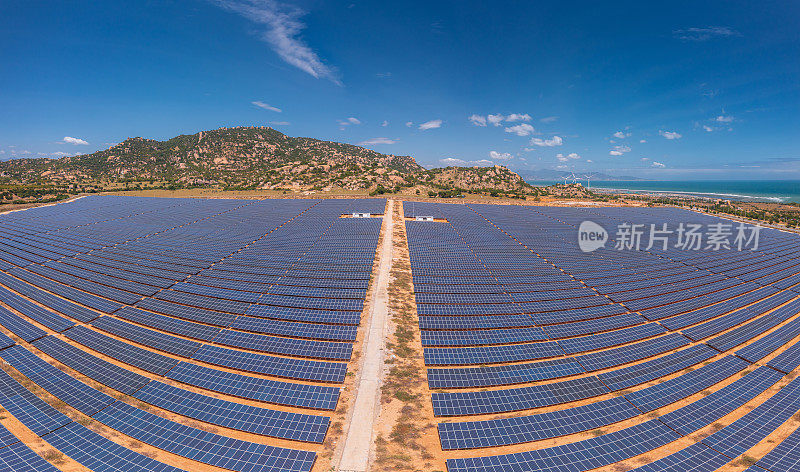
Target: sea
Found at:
x=777, y=191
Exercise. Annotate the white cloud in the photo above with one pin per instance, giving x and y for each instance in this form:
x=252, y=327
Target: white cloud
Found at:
x=60, y=154
x=279, y=123
x=409, y=124
x=670, y=134
x=500, y=156
x=563, y=158
x=549, y=119
x=385, y=123
x=552, y=142
x=266, y=106
x=619, y=150
x=478, y=120
x=614, y=153
x=562, y=167
x=621, y=135
x=723, y=119
x=282, y=32
x=704, y=34
x=522, y=129
x=431, y=124
x=377, y=141
x=707, y=128
x=658, y=165
x=349, y=121
x=645, y=159
x=450, y=161
x=495, y=119
x=518, y=117
x=76, y=141
x=589, y=161
x=642, y=141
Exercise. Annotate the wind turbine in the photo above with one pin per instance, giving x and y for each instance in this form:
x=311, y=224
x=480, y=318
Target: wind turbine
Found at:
x=572, y=176
x=588, y=181
x=565, y=179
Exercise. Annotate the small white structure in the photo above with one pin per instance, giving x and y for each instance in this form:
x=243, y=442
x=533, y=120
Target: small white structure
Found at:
x=424, y=218
x=361, y=215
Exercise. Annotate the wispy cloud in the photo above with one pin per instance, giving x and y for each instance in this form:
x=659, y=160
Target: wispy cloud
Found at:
x=349, y=121
x=451, y=161
x=279, y=123
x=282, y=28
x=704, y=34
x=76, y=141
x=499, y=156
x=657, y=165
x=385, y=123
x=670, y=134
x=522, y=129
x=409, y=124
x=518, y=117
x=621, y=135
x=552, y=142
x=383, y=75
x=724, y=119
x=478, y=120
x=495, y=119
x=432, y=124
x=266, y=106
x=563, y=158
x=548, y=119
x=619, y=150
x=377, y=141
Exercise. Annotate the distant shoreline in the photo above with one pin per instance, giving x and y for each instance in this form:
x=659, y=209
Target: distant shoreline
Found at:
x=778, y=191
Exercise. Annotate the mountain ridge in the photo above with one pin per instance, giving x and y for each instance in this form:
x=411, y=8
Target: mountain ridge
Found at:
x=254, y=158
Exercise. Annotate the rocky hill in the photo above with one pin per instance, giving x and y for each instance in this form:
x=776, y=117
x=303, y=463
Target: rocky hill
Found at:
x=251, y=158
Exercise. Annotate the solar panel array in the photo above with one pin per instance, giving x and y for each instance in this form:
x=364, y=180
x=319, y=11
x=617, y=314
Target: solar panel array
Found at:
x=527, y=339
x=180, y=323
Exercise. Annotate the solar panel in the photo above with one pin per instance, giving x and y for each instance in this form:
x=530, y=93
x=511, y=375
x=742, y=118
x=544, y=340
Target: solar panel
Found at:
x=98, y=453
x=522, y=398
x=256, y=388
x=506, y=431
x=20, y=458
x=279, y=424
x=582, y=455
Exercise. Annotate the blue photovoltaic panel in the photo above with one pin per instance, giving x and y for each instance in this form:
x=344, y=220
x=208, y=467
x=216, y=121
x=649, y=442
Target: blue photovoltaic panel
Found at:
x=505, y=431
x=98, y=453
x=583, y=455
x=523, y=398
x=71, y=391
x=20, y=458
x=785, y=455
x=677, y=388
x=487, y=376
x=285, y=425
x=102, y=371
x=122, y=351
x=256, y=388
x=708, y=409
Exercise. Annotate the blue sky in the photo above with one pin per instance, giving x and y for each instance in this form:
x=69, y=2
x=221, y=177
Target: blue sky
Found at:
x=685, y=90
